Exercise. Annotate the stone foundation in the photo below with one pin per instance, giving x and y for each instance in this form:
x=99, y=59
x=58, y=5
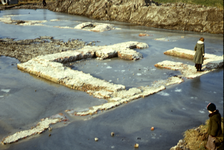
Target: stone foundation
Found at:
x=211, y=62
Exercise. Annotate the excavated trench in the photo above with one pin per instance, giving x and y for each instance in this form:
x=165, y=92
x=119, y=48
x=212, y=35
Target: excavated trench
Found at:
x=131, y=123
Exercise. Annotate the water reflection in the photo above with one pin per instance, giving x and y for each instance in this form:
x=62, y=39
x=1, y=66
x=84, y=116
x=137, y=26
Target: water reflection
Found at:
x=45, y=14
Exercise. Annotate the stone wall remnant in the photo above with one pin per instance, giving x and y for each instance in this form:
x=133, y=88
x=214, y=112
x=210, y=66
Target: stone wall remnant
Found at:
x=50, y=66
x=38, y=129
x=211, y=62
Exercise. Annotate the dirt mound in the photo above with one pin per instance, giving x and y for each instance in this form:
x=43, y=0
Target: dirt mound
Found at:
x=178, y=16
x=175, y=16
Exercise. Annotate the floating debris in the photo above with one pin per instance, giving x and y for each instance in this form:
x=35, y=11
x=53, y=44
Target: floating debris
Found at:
x=112, y=134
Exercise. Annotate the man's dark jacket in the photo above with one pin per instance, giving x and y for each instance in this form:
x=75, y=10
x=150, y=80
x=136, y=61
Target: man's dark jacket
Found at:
x=214, y=126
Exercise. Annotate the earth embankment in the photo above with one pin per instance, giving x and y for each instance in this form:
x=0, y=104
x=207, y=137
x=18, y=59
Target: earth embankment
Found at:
x=178, y=16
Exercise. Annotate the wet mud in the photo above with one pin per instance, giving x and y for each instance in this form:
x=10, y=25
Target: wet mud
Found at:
x=25, y=50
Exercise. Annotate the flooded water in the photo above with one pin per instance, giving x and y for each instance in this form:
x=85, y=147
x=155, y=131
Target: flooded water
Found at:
x=25, y=99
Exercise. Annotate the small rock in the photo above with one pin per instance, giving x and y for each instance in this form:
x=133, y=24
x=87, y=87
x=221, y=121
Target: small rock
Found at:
x=143, y=34
x=138, y=138
x=96, y=139
x=112, y=134
x=136, y=145
x=152, y=128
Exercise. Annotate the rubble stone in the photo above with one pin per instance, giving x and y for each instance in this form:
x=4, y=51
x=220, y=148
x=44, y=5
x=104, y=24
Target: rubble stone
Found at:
x=95, y=27
x=32, y=48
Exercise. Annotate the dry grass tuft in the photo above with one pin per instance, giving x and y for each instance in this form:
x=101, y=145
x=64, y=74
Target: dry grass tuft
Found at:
x=196, y=138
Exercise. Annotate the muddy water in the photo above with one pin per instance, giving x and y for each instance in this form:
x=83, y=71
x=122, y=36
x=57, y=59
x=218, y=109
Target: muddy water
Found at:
x=25, y=99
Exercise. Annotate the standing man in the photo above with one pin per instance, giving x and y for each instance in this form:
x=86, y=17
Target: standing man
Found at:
x=214, y=127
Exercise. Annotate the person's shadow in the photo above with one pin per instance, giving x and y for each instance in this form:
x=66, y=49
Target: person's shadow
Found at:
x=196, y=83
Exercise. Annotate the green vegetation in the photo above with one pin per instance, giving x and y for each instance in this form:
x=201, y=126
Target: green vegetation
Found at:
x=196, y=139
x=213, y=3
